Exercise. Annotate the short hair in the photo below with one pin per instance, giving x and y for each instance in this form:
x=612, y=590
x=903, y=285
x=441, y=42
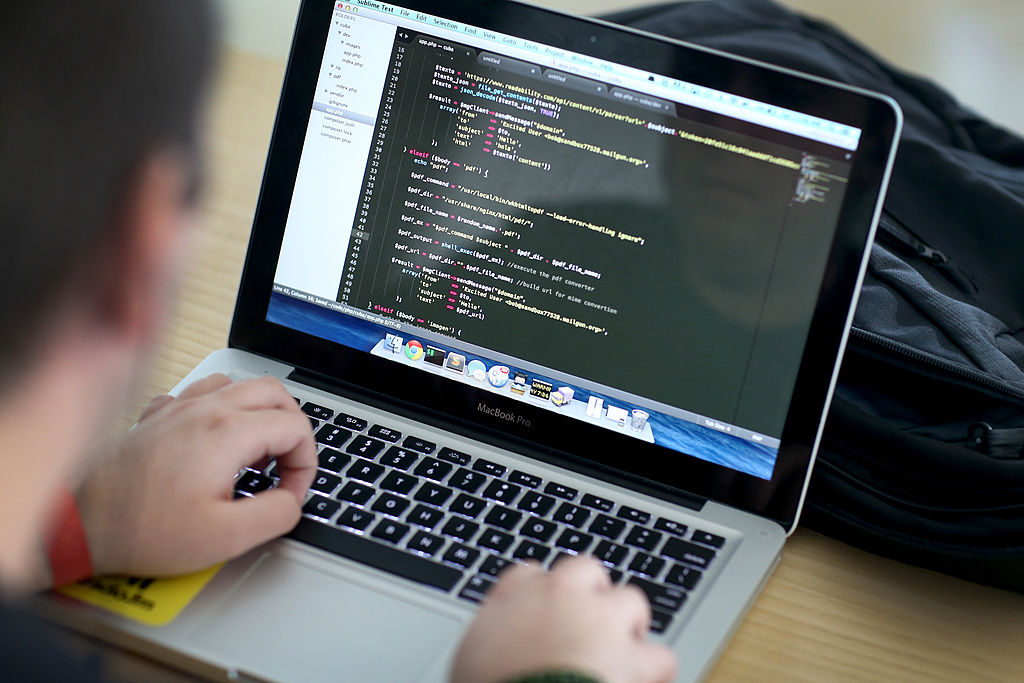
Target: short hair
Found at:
x=90, y=90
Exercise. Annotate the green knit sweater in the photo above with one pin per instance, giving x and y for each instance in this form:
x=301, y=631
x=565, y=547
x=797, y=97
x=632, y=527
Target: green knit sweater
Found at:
x=555, y=677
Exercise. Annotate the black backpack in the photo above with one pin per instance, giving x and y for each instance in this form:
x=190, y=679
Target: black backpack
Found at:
x=922, y=459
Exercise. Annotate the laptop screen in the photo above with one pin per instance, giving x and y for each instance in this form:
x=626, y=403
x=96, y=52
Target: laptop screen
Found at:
x=622, y=248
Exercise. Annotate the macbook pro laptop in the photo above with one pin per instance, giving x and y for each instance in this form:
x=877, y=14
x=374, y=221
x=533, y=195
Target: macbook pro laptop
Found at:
x=545, y=286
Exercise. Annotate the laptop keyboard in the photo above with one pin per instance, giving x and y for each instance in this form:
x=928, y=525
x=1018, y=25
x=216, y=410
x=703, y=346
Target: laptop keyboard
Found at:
x=445, y=519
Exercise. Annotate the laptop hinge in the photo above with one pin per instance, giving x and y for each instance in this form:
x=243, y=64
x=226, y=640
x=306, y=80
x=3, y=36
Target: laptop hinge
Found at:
x=499, y=439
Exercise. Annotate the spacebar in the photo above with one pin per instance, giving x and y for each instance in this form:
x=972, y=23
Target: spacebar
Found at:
x=376, y=555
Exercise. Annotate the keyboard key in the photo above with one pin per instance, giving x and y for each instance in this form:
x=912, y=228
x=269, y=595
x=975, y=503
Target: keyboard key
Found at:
x=433, y=469
x=664, y=598
x=488, y=467
x=642, y=537
x=502, y=491
x=415, y=443
x=467, y=480
x=390, y=504
x=399, y=482
x=390, y=531
x=424, y=516
x=385, y=433
x=348, y=422
x=321, y=507
x=467, y=506
x=319, y=412
x=494, y=565
x=332, y=436
x=660, y=621
x=453, y=456
x=495, y=540
x=357, y=493
x=399, y=458
x=426, y=544
x=697, y=555
x=561, y=491
x=610, y=553
x=461, y=555
x=365, y=471
x=576, y=541
x=684, y=576
x=523, y=479
x=646, y=564
x=460, y=529
x=365, y=447
x=570, y=514
x=503, y=517
x=432, y=493
x=253, y=482
x=615, y=575
x=325, y=483
x=386, y=558
x=602, y=504
x=528, y=550
x=332, y=460
x=669, y=526
x=314, y=423
x=707, y=539
x=537, y=503
x=476, y=588
x=355, y=518
x=537, y=528
x=634, y=515
x=609, y=527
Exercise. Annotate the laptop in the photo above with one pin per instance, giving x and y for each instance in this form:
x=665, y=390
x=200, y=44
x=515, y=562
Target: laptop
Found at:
x=545, y=286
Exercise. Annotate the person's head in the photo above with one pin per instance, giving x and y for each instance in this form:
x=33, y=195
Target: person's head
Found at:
x=99, y=161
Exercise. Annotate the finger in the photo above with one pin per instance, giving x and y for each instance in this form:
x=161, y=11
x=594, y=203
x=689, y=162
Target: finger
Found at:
x=248, y=522
x=656, y=663
x=255, y=394
x=581, y=572
x=297, y=478
x=205, y=386
x=248, y=436
x=155, y=406
x=516, y=577
x=631, y=603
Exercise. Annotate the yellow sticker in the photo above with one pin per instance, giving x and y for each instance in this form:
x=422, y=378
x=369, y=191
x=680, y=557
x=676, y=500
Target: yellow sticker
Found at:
x=153, y=602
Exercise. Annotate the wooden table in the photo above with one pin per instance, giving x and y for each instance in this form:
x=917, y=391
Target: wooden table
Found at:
x=830, y=612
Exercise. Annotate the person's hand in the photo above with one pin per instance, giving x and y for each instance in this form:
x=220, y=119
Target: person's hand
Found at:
x=162, y=502
x=571, y=619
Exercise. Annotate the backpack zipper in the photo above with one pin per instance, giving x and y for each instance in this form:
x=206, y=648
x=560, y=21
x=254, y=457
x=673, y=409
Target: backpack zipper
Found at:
x=946, y=366
x=894, y=233
x=899, y=500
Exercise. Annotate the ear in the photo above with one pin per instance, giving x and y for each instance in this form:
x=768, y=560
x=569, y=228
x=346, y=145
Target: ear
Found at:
x=139, y=267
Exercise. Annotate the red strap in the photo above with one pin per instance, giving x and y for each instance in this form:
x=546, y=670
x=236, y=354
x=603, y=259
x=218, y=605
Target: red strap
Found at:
x=68, y=549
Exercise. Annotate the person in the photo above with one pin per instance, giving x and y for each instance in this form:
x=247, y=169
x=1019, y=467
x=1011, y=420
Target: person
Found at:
x=100, y=140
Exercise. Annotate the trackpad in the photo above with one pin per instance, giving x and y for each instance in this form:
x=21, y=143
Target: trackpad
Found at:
x=293, y=622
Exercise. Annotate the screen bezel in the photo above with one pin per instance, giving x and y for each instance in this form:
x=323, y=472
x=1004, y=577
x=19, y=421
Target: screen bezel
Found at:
x=779, y=498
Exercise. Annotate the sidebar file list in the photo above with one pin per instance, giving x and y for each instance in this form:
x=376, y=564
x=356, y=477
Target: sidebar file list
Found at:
x=337, y=145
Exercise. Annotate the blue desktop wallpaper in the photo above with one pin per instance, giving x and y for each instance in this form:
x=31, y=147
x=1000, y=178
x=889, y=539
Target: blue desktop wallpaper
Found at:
x=671, y=432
